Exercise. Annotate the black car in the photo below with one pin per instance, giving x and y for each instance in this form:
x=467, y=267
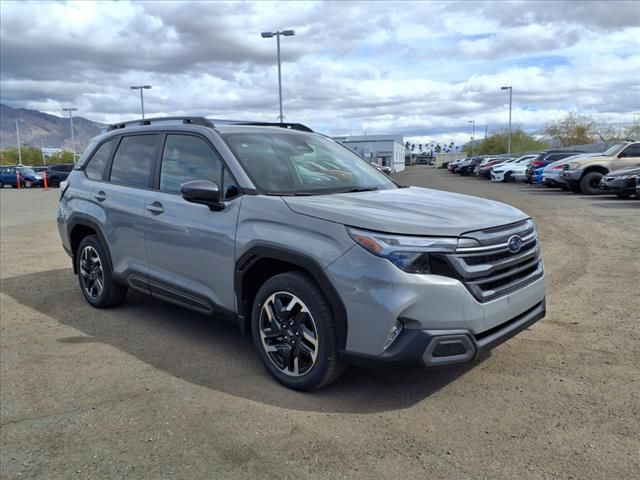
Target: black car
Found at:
x=545, y=158
x=622, y=183
x=58, y=173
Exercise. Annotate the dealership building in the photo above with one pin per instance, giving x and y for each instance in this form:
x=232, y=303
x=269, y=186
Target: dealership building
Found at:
x=386, y=150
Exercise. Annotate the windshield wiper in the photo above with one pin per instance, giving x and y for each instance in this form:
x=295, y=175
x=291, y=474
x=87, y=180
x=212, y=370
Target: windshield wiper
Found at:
x=359, y=189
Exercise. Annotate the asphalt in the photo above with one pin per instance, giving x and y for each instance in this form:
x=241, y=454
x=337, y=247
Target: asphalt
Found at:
x=151, y=391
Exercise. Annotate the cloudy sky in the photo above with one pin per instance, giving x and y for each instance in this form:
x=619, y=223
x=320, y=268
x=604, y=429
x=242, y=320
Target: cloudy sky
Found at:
x=421, y=69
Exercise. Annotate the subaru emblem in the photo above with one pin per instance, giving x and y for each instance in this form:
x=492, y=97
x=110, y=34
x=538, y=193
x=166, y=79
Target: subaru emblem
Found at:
x=514, y=244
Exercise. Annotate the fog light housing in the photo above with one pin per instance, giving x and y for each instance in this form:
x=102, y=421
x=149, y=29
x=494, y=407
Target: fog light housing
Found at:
x=395, y=330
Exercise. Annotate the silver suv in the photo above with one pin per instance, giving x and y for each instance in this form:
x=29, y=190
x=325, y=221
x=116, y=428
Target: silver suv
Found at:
x=320, y=257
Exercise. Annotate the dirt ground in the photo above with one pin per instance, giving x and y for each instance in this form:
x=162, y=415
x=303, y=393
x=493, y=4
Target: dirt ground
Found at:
x=148, y=390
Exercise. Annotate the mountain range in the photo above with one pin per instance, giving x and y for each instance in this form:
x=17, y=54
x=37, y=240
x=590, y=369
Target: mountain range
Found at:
x=38, y=129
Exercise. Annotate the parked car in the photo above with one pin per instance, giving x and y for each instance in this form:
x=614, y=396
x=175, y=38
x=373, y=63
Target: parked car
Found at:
x=468, y=166
x=621, y=182
x=638, y=187
x=28, y=177
x=519, y=172
x=484, y=171
x=218, y=219
x=584, y=174
x=537, y=176
x=453, y=166
x=545, y=158
x=504, y=171
x=58, y=173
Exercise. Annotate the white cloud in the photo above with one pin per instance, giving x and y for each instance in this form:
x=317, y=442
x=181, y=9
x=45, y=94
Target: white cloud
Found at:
x=422, y=69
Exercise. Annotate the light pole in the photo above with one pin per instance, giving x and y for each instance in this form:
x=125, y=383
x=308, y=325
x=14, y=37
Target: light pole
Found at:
x=73, y=138
x=18, y=135
x=510, y=98
x=473, y=135
x=286, y=33
x=141, y=88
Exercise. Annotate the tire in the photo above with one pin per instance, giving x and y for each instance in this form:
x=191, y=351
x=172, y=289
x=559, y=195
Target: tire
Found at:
x=589, y=183
x=508, y=177
x=94, y=269
x=303, y=354
x=55, y=182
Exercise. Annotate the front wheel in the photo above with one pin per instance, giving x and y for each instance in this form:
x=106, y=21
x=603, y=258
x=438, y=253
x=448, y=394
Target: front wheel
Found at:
x=589, y=183
x=54, y=182
x=27, y=184
x=294, y=332
x=95, y=276
x=508, y=177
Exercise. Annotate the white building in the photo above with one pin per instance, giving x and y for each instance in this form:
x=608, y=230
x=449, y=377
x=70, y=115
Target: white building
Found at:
x=386, y=150
x=50, y=151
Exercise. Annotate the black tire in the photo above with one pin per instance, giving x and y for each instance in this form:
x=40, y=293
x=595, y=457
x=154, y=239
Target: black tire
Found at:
x=55, y=182
x=508, y=177
x=327, y=365
x=111, y=293
x=589, y=183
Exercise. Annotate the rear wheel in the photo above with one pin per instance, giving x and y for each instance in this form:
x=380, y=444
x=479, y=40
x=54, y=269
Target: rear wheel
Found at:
x=589, y=183
x=95, y=275
x=293, y=330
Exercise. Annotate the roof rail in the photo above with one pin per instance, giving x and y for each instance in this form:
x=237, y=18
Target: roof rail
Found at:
x=151, y=121
x=289, y=126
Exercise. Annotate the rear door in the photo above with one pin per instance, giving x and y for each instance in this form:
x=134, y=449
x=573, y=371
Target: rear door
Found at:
x=628, y=157
x=121, y=201
x=191, y=248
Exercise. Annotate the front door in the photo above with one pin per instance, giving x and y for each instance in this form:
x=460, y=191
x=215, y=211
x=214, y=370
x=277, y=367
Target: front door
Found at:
x=628, y=157
x=190, y=248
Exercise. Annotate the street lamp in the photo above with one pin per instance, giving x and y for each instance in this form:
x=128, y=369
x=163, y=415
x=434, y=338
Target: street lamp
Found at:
x=73, y=138
x=18, y=135
x=473, y=135
x=510, y=98
x=286, y=33
x=141, y=87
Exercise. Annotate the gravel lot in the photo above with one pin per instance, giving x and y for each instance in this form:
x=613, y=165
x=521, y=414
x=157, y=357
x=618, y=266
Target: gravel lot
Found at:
x=148, y=390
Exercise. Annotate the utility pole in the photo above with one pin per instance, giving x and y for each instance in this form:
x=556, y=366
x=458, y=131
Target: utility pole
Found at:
x=141, y=88
x=73, y=138
x=473, y=134
x=510, y=102
x=486, y=131
x=18, y=135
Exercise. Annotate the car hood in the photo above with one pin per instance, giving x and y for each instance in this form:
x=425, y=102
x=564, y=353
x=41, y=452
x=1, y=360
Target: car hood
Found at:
x=412, y=211
x=634, y=170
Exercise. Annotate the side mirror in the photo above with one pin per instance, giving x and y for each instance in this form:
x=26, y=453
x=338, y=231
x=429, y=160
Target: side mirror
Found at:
x=205, y=192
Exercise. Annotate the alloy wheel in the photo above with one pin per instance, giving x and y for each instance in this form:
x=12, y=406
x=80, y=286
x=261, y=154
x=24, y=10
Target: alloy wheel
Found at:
x=91, y=273
x=289, y=334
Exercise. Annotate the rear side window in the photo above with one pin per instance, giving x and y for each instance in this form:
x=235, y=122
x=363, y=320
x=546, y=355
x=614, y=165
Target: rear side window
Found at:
x=631, y=151
x=185, y=158
x=133, y=161
x=95, y=168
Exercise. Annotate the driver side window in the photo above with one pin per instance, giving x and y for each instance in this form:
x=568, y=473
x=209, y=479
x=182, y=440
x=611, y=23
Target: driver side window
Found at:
x=631, y=151
x=185, y=158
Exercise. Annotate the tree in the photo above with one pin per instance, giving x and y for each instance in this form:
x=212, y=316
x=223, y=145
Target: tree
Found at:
x=573, y=129
x=497, y=143
x=32, y=156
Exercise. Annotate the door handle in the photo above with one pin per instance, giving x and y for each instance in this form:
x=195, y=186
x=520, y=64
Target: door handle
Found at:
x=100, y=196
x=155, y=207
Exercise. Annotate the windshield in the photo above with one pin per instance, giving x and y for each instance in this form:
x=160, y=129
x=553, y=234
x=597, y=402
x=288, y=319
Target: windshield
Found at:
x=303, y=164
x=614, y=150
x=26, y=171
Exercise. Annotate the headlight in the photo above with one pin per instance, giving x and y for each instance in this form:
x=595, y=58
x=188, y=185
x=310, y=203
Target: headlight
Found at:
x=573, y=165
x=408, y=253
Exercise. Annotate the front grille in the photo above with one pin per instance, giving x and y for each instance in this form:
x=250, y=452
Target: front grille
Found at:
x=490, y=270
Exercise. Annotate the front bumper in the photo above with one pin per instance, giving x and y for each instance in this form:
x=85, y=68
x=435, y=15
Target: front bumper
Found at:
x=436, y=348
x=376, y=294
x=569, y=176
x=625, y=186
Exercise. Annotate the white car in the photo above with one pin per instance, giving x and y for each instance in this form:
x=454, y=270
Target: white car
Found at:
x=519, y=172
x=505, y=171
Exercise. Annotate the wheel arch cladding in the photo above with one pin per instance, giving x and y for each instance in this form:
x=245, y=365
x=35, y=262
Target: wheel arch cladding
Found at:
x=595, y=168
x=263, y=262
x=78, y=228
